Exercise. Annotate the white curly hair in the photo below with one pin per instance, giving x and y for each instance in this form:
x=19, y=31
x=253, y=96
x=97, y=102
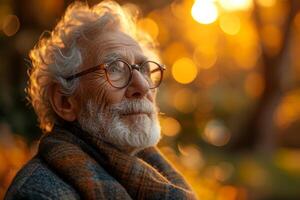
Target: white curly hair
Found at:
x=59, y=55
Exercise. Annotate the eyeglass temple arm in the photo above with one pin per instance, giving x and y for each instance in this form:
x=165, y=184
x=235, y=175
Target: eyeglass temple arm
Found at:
x=85, y=72
x=162, y=67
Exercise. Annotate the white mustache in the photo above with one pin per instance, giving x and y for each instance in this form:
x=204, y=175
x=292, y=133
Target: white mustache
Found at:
x=133, y=106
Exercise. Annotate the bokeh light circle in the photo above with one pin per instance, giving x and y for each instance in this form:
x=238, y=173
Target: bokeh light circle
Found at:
x=184, y=70
x=11, y=25
x=205, y=11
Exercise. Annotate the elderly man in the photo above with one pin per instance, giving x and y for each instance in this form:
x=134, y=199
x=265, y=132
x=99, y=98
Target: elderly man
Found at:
x=93, y=86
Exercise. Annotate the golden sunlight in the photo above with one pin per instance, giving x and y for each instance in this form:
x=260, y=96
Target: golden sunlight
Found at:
x=149, y=26
x=232, y=5
x=205, y=11
x=204, y=57
x=254, y=85
x=266, y=3
x=230, y=24
x=170, y=126
x=184, y=100
x=184, y=70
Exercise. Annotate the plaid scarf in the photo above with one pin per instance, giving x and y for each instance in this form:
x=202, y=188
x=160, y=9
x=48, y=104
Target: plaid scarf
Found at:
x=98, y=170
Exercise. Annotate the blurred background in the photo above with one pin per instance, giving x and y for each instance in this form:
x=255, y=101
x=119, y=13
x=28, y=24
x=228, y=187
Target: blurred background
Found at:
x=229, y=101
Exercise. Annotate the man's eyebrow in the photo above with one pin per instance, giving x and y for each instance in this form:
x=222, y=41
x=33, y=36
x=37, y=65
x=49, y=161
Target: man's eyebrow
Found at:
x=139, y=59
x=112, y=57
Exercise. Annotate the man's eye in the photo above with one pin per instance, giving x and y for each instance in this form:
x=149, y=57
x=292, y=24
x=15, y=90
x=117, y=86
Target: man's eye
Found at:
x=115, y=68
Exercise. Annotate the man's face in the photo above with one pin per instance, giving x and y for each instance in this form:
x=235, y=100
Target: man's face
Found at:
x=125, y=117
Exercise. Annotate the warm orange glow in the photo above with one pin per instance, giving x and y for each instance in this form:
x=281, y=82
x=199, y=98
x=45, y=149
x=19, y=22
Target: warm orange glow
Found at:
x=214, y=53
x=230, y=24
x=181, y=9
x=205, y=38
x=254, y=85
x=227, y=193
x=266, y=3
x=14, y=153
x=205, y=11
x=174, y=51
x=149, y=26
x=184, y=70
x=205, y=58
x=163, y=31
x=216, y=133
x=232, y=5
x=288, y=111
x=246, y=50
x=209, y=80
x=272, y=38
x=131, y=8
x=246, y=58
x=215, y=172
x=286, y=115
x=297, y=21
x=183, y=101
x=170, y=126
x=191, y=157
x=11, y=25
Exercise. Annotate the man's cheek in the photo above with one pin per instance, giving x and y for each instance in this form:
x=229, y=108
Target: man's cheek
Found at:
x=100, y=97
x=115, y=95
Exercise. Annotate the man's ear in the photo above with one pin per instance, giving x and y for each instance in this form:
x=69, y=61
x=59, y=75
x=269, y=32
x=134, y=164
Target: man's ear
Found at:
x=64, y=106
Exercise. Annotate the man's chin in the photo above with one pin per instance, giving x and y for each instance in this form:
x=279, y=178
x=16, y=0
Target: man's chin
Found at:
x=134, y=118
x=137, y=131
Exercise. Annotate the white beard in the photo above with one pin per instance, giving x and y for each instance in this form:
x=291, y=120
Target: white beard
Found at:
x=112, y=126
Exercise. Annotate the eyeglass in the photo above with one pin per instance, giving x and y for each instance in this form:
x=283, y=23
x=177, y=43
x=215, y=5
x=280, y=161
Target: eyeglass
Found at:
x=119, y=73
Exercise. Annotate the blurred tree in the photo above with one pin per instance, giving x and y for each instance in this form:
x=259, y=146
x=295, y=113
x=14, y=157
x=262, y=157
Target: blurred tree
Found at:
x=260, y=132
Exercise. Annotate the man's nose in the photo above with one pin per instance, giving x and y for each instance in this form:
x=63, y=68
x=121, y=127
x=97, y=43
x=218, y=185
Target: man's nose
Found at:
x=138, y=87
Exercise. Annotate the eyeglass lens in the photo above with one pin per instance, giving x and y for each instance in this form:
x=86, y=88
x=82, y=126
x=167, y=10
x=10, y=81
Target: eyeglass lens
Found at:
x=119, y=73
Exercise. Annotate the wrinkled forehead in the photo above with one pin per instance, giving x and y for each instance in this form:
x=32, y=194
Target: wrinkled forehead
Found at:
x=112, y=45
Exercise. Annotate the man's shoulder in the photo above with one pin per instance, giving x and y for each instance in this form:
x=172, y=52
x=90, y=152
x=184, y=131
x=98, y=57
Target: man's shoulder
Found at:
x=36, y=181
